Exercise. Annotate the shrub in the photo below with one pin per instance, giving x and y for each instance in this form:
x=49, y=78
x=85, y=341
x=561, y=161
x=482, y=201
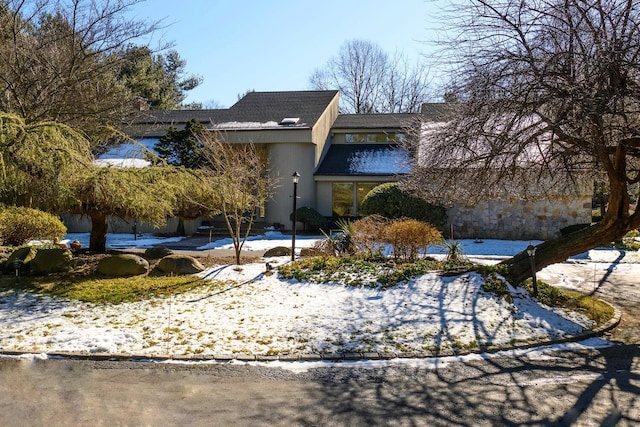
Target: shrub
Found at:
x=18, y=225
x=389, y=201
x=311, y=218
x=342, y=241
x=368, y=234
x=409, y=236
x=324, y=247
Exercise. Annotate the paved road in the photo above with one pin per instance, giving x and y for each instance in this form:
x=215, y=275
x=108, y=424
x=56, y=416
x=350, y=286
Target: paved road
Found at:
x=599, y=388
x=617, y=283
x=587, y=388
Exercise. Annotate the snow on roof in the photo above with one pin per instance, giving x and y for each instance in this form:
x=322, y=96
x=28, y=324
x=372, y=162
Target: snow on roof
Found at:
x=122, y=163
x=127, y=155
x=373, y=162
x=248, y=125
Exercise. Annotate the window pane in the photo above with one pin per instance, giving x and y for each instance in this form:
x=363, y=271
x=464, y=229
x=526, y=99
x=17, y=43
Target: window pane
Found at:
x=343, y=199
x=363, y=190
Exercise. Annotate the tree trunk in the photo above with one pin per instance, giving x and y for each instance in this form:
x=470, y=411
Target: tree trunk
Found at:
x=98, y=237
x=180, y=230
x=561, y=248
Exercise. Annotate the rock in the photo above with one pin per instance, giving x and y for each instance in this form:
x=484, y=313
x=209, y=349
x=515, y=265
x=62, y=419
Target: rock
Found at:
x=51, y=261
x=278, y=251
x=157, y=252
x=180, y=264
x=123, y=265
x=310, y=252
x=20, y=257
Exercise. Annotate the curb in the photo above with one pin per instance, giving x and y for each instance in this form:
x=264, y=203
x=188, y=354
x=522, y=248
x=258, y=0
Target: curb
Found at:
x=330, y=357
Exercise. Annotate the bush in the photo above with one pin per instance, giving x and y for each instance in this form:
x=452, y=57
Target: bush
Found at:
x=18, y=225
x=409, y=236
x=342, y=241
x=311, y=218
x=368, y=234
x=389, y=201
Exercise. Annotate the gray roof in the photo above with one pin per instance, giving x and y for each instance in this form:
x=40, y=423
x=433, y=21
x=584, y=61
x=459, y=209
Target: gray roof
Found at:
x=253, y=109
x=364, y=160
x=437, y=111
x=375, y=121
x=275, y=106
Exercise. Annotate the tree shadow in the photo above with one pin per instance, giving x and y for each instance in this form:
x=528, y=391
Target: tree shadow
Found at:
x=608, y=273
x=597, y=387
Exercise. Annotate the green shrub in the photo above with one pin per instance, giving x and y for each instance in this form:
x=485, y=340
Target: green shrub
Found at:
x=390, y=202
x=342, y=241
x=311, y=218
x=409, y=236
x=547, y=294
x=18, y=225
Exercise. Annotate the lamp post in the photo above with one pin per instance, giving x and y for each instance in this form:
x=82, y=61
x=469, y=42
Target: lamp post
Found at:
x=296, y=178
x=531, y=250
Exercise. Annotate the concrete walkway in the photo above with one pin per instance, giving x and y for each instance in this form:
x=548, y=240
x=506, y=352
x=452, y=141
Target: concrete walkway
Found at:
x=189, y=246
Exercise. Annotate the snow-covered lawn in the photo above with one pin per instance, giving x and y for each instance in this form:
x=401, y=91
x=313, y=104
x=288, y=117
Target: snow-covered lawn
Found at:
x=259, y=313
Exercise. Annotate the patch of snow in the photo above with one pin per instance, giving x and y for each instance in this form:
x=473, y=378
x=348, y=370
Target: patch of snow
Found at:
x=247, y=125
x=122, y=163
x=254, y=311
x=388, y=161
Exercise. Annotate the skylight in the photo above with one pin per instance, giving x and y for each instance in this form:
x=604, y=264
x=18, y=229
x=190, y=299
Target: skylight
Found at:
x=289, y=121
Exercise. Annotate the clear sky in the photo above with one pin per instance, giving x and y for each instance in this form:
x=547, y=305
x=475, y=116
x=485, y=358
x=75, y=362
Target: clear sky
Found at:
x=273, y=45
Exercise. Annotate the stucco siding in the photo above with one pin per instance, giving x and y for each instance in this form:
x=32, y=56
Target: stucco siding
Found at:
x=284, y=160
x=324, y=197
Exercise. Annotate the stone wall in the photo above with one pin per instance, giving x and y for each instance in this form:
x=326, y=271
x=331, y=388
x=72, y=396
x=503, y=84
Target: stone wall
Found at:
x=519, y=219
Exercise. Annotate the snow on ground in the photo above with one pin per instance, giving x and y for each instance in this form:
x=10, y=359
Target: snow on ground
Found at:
x=258, y=313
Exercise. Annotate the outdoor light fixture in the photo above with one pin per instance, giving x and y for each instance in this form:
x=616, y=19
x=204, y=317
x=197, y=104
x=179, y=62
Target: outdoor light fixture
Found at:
x=531, y=250
x=295, y=177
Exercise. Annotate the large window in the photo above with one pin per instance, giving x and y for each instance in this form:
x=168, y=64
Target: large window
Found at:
x=374, y=137
x=348, y=196
x=343, y=199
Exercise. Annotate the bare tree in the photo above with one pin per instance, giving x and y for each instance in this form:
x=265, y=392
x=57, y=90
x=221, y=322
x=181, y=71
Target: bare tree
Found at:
x=371, y=82
x=548, y=95
x=61, y=60
x=243, y=183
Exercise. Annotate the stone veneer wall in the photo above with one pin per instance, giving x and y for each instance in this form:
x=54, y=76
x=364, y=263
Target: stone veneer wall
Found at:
x=519, y=219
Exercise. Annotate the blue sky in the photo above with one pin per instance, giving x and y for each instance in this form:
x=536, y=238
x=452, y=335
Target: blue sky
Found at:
x=273, y=45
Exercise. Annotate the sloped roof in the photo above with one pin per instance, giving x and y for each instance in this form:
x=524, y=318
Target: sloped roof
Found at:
x=374, y=121
x=364, y=159
x=437, y=111
x=265, y=107
x=254, y=110
x=178, y=116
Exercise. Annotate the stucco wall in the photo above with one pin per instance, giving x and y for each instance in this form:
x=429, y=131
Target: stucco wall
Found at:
x=284, y=159
x=519, y=219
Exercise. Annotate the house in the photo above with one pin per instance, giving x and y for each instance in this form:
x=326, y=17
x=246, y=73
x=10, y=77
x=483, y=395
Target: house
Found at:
x=340, y=158
x=514, y=218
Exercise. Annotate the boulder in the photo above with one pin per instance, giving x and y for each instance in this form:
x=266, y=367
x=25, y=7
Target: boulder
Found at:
x=20, y=257
x=157, y=252
x=309, y=252
x=51, y=261
x=123, y=265
x=180, y=264
x=278, y=251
